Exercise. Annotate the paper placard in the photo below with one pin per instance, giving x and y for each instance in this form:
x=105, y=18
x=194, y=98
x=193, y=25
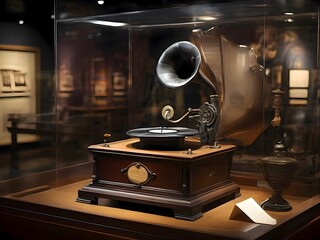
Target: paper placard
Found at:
x=250, y=209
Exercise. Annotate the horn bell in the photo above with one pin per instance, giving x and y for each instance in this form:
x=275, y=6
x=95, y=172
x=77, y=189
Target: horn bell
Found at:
x=179, y=64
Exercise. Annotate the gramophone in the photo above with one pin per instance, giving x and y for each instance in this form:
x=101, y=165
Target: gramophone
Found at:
x=179, y=65
x=183, y=169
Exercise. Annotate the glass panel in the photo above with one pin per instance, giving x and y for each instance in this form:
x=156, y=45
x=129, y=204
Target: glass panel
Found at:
x=105, y=83
x=112, y=60
x=92, y=98
x=27, y=135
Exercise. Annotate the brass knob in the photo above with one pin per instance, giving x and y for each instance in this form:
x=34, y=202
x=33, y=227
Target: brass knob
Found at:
x=105, y=137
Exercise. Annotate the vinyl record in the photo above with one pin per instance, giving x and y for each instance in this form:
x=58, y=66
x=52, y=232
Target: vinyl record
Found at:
x=161, y=133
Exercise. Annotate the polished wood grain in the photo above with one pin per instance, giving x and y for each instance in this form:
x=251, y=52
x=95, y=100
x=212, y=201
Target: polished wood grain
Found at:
x=58, y=213
x=133, y=145
x=185, y=179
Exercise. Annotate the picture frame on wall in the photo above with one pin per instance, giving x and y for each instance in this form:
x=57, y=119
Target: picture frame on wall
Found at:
x=119, y=81
x=18, y=66
x=13, y=81
x=100, y=79
x=65, y=77
x=19, y=70
x=119, y=85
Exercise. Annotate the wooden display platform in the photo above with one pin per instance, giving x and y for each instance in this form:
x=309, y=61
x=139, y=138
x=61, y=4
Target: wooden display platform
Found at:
x=54, y=214
x=186, y=180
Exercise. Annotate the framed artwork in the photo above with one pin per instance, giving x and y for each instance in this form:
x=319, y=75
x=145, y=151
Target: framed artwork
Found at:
x=119, y=81
x=19, y=68
x=119, y=87
x=99, y=74
x=66, y=78
x=299, y=80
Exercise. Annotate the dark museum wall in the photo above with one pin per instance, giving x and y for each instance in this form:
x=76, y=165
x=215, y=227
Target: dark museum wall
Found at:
x=37, y=30
x=13, y=34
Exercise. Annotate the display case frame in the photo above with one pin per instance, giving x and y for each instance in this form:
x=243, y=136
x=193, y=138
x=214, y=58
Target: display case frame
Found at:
x=133, y=50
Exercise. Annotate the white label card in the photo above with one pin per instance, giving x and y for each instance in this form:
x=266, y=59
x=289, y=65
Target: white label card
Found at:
x=253, y=211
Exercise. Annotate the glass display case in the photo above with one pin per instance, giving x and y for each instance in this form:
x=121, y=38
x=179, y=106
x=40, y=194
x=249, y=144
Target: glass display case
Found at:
x=262, y=58
x=109, y=61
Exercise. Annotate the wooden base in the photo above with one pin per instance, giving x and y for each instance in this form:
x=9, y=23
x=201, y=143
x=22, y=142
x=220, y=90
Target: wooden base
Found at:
x=188, y=180
x=183, y=208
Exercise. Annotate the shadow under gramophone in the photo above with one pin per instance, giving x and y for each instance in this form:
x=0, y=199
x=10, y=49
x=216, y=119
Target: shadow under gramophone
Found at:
x=145, y=208
x=152, y=209
x=168, y=145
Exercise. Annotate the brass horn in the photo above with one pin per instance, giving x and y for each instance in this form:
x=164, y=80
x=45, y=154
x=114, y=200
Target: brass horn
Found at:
x=240, y=88
x=179, y=64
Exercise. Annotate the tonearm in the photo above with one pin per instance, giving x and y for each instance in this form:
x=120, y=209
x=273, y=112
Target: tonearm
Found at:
x=206, y=116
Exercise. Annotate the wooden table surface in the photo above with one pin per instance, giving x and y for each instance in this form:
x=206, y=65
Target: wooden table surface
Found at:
x=215, y=222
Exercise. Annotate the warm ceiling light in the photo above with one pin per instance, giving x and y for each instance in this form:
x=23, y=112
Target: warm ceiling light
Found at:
x=288, y=13
x=21, y=22
x=107, y=23
x=100, y=2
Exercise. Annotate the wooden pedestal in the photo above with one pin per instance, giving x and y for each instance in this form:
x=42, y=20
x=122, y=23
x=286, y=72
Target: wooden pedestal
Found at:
x=185, y=181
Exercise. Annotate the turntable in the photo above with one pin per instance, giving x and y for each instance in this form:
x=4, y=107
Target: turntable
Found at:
x=168, y=137
x=186, y=170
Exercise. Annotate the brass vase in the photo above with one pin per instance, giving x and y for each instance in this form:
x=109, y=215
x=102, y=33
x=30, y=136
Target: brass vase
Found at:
x=278, y=172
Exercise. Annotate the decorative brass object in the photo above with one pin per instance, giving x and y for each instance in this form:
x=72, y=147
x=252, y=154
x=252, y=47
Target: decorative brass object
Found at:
x=278, y=172
x=276, y=121
x=105, y=137
x=138, y=174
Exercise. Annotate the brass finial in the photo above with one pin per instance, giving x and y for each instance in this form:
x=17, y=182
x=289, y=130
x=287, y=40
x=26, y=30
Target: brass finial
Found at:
x=106, y=136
